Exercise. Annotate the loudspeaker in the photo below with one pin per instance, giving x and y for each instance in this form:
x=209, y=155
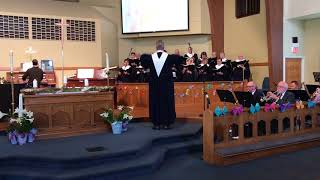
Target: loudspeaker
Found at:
x=294, y=39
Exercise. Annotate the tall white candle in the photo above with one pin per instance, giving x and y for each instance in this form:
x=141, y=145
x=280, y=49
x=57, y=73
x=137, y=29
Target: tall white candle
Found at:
x=107, y=62
x=11, y=60
x=20, y=105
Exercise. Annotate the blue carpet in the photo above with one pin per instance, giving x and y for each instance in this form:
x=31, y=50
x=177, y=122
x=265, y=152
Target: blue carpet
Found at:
x=140, y=150
x=302, y=165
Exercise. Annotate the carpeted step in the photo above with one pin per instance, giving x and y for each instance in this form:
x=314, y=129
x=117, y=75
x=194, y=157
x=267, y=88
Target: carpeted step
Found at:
x=117, y=170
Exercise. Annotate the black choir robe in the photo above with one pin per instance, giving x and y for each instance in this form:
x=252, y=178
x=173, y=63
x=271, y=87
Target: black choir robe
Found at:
x=212, y=61
x=189, y=73
x=238, y=73
x=216, y=76
x=203, y=72
x=227, y=63
x=125, y=74
x=195, y=58
x=161, y=90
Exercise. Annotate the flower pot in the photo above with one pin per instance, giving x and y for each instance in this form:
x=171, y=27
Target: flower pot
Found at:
x=116, y=127
x=12, y=138
x=125, y=126
x=31, y=137
x=22, y=138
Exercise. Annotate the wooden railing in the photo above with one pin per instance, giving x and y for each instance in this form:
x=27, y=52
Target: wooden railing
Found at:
x=189, y=96
x=234, y=131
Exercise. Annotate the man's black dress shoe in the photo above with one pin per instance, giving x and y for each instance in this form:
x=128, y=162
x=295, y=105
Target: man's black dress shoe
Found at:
x=166, y=127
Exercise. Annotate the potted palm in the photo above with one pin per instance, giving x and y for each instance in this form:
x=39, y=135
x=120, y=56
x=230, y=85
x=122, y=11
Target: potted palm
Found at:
x=118, y=118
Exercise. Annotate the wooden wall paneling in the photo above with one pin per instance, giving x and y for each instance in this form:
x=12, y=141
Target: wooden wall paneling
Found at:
x=274, y=12
x=216, y=12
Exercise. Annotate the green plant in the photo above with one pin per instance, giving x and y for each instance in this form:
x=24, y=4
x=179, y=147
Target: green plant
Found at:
x=121, y=114
x=22, y=124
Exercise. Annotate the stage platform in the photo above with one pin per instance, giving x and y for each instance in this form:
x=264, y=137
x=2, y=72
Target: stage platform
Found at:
x=138, y=151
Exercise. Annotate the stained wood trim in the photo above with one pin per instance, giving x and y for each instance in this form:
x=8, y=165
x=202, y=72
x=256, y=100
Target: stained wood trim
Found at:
x=274, y=13
x=259, y=64
x=216, y=12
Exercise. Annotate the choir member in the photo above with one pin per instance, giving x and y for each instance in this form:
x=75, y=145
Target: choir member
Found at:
x=125, y=74
x=227, y=63
x=161, y=86
x=203, y=68
x=213, y=59
x=240, y=69
x=316, y=98
x=189, y=71
x=220, y=72
x=133, y=60
x=191, y=54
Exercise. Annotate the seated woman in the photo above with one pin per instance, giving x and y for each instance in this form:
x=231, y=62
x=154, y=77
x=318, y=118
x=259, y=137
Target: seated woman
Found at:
x=189, y=71
x=219, y=72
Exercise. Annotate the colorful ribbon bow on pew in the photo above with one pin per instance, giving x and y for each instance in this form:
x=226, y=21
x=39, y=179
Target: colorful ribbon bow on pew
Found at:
x=299, y=105
x=284, y=107
x=220, y=112
x=237, y=110
x=254, y=108
x=311, y=104
x=270, y=107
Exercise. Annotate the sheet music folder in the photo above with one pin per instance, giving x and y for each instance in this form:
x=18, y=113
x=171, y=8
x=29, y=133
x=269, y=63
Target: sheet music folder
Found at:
x=300, y=95
x=226, y=96
x=312, y=88
x=244, y=98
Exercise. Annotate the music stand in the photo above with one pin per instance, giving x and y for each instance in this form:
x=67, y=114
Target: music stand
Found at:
x=316, y=76
x=244, y=98
x=312, y=88
x=226, y=96
x=300, y=95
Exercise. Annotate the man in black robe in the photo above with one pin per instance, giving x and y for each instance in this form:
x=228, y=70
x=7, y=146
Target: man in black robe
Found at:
x=161, y=86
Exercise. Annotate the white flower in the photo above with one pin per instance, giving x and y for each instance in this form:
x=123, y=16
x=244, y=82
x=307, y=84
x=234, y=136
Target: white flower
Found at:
x=12, y=120
x=29, y=114
x=120, y=108
x=18, y=120
x=130, y=117
x=31, y=120
x=2, y=114
x=105, y=114
x=125, y=116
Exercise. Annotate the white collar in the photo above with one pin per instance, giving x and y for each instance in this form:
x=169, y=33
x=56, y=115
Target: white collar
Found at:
x=159, y=62
x=238, y=60
x=190, y=55
x=126, y=67
x=219, y=66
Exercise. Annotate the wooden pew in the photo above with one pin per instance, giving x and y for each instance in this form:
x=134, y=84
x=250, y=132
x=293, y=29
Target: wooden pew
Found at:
x=223, y=145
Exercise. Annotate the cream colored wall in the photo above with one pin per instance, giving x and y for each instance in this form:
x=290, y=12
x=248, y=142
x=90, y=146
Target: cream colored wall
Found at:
x=248, y=37
x=77, y=54
x=301, y=8
x=312, y=49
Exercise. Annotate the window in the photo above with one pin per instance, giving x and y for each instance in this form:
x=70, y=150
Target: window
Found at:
x=246, y=8
x=81, y=30
x=14, y=27
x=46, y=28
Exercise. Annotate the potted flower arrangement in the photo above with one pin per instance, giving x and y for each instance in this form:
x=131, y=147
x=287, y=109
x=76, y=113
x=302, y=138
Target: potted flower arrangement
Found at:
x=21, y=128
x=118, y=119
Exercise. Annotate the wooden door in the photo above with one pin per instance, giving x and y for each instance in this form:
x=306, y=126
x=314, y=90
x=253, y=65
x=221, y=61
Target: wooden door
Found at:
x=293, y=69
